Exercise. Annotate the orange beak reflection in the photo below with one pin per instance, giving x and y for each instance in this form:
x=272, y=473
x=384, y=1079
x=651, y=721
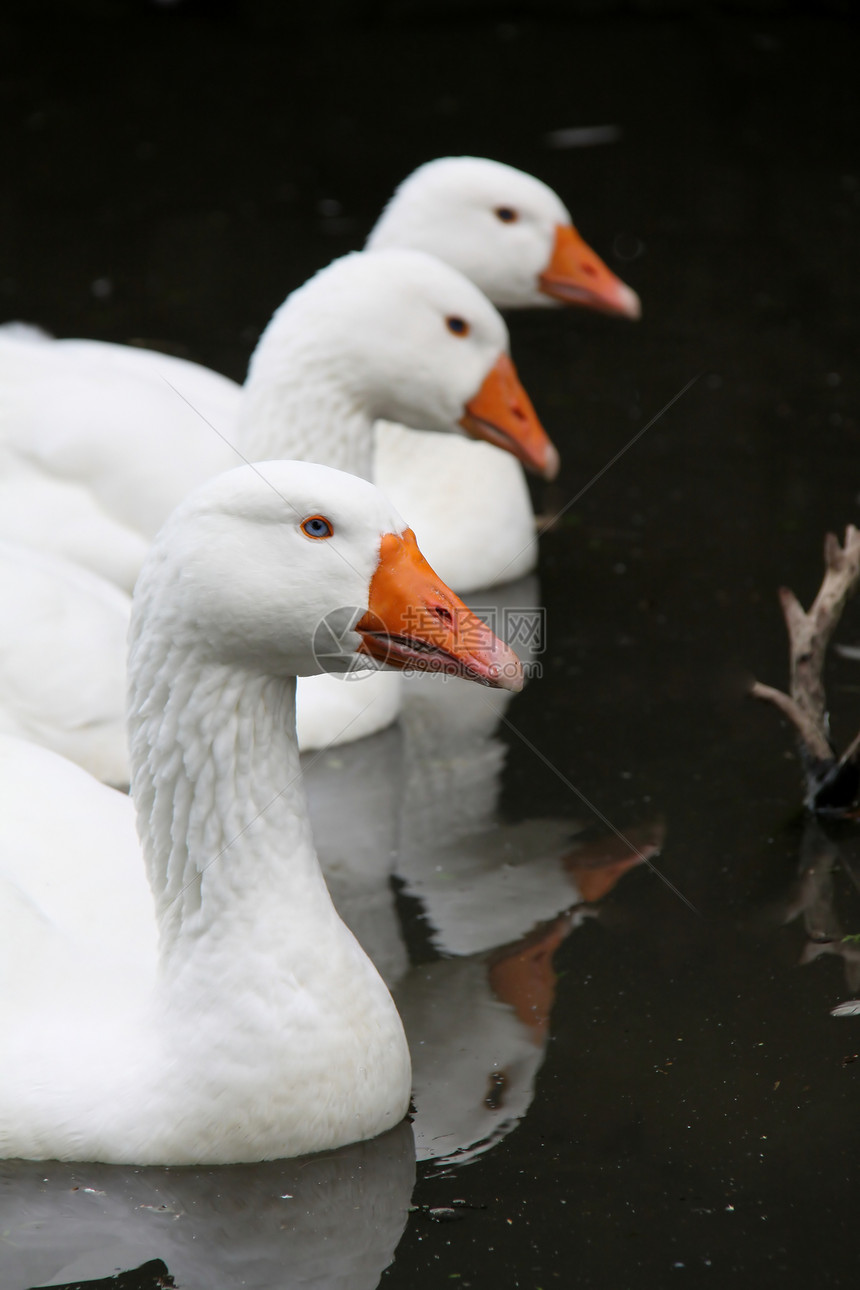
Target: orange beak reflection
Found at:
x=415, y=621
x=579, y=277
x=522, y=975
x=501, y=412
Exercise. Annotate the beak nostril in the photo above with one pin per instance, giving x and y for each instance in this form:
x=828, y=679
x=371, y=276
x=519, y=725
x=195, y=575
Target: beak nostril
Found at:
x=589, y=270
x=443, y=614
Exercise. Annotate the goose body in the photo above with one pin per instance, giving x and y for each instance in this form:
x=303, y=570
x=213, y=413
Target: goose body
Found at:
x=480, y=522
x=108, y=419
x=264, y=1031
x=62, y=660
x=61, y=517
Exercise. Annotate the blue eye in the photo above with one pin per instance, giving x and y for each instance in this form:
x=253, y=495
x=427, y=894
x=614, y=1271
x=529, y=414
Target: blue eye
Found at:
x=317, y=527
x=458, y=326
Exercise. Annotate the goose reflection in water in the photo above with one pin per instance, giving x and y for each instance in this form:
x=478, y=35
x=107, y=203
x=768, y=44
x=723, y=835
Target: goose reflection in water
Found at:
x=418, y=806
x=498, y=900
x=421, y=802
x=812, y=897
x=332, y=1220
x=478, y=1026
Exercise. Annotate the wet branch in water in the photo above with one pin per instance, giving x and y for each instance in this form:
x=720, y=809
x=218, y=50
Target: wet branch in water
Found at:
x=831, y=781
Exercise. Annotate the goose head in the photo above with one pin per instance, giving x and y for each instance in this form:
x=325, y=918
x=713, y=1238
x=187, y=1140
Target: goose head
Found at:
x=506, y=231
x=406, y=338
x=291, y=569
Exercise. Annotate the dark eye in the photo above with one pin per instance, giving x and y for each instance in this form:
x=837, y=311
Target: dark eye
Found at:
x=317, y=527
x=506, y=214
x=458, y=326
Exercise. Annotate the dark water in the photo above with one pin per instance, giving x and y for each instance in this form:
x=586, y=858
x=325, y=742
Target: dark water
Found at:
x=171, y=175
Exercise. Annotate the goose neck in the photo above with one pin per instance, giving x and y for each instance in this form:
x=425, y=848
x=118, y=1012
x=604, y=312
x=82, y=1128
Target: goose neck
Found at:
x=297, y=404
x=221, y=809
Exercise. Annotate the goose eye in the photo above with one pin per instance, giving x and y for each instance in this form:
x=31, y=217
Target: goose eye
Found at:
x=317, y=527
x=506, y=214
x=458, y=326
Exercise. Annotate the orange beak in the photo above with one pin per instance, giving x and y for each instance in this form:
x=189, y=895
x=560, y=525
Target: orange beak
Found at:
x=501, y=412
x=415, y=621
x=579, y=277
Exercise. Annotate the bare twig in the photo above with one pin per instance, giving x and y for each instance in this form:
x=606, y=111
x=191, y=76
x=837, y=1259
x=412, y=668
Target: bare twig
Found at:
x=809, y=634
x=806, y=728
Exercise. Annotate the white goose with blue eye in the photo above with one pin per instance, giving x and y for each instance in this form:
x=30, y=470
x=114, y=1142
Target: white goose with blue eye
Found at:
x=395, y=334
x=264, y=1031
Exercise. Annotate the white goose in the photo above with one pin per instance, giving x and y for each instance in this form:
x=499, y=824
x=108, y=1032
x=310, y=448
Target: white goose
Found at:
x=393, y=334
x=513, y=237
x=396, y=334
x=267, y=1032
x=505, y=230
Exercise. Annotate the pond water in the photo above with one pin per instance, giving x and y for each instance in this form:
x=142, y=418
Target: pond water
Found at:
x=681, y=1107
